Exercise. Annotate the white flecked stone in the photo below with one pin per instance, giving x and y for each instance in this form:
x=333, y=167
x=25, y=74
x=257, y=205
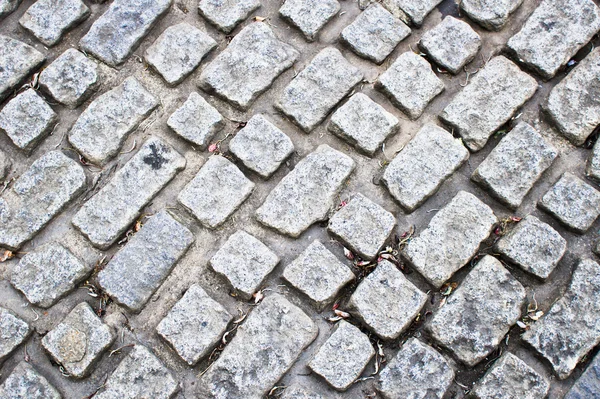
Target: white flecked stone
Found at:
x=26, y=383
x=227, y=14
x=196, y=121
x=416, y=10
x=17, y=61
x=491, y=14
x=13, y=332
x=309, y=15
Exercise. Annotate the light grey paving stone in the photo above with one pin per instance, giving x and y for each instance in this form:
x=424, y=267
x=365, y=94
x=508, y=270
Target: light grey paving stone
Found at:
x=573, y=202
x=196, y=121
x=178, y=51
x=48, y=273
x=261, y=146
x=418, y=372
x=275, y=332
x=27, y=119
x=511, y=378
x=49, y=20
x=571, y=328
x=588, y=385
x=216, y=192
x=362, y=225
x=297, y=391
x=17, y=61
x=13, y=332
x=8, y=6
x=146, y=261
x=386, y=302
x=554, y=33
x=452, y=44
x=194, y=325
x=313, y=93
x=104, y=217
x=227, y=14
x=375, y=33
x=140, y=375
x=5, y=165
x=26, y=383
x=410, y=83
x=309, y=16
x=491, y=14
x=479, y=313
x=418, y=171
x=245, y=262
x=363, y=123
x=39, y=194
x=343, y=357
x=489, y=101
x=248, y=66
x=117, y=33
x=306, y=194
x=451, y=239
x=416, y=10
x=515, y=165
x=100, y=131
x=593, y=166
x=318, y=274
x=71, y=78
x=79, y=340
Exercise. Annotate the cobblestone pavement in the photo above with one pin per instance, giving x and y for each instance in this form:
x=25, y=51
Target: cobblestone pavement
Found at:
x=245, y=199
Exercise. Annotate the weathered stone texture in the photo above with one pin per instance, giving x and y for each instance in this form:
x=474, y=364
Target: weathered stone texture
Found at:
x=13, y=332
x=593, y=166
x=5, y=165
x=196, y=121
x=25, y=383
x=588, y=385
x=48, y=20
x=416, y=10
x=491, y=14
x=309, y=15
x=17, y=61
x=8, y=6
x=227, y=14
x=297, y=391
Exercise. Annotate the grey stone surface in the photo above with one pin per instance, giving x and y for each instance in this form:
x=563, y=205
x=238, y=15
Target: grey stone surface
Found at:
x=418, y=171
x=515, y=165
x=275, y=332
x=5, y=165
x=13, y=332
x=146, y=261
x=49, y=20
x=306, y=194
x=103, y=127
x=297, y=391
x=494, y=94
x=416, y=10
x=248, y=66
x=17, y=61
x=386, y=302
x=309, y=15
x=215, y=193
x=245, y=262
x=451, y=239
x=178, y=51
x=261, y=146
x=227, y=14
x=588, y=385
x=491, y=14
x=196, y=121
x=79, y=340
x=479, y=313
x=105, y=216
x=312, y=94
x=593, y=165
x=410, y=83
x=8, y=6
x=194, y=325
x=26, y=383
x=39, y=194
x=554, y=33
x=117, y=33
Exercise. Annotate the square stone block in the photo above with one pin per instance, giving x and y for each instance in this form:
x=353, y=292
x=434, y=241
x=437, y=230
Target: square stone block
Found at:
x=309, y=15
x=196, y=121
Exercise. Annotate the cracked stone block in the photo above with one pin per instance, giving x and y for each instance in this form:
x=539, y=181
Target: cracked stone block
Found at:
x=227, y=14
x=100, y=131
x=363, y=123
x=490, y=100
x=452, y=44
x=313, y=93
x=491, y=14
x=343, y=357
x=79, y=340
x=375, y=33
x=511, y=378
x=245, y=262
x=26, y=382
x=196, y=121
x=275, y=332
x=178, y=51
x=140, y=375
x=416, y=10
x=588, y=385
x=554, y=33
x=451, y=239
x=49, y=20
x=386, y=302
x=318, y=274
x=418, y=372
x=418, y=171
x=48, y=273
x=195, y=325
x=297, y=391
x=71, y=78
x=39, y=194
x=410, y=84
x=309, y=16
x=261, y=146
x=248, y=66
x=116, y=34
x=515, y=165
x=573, y=202
x=17, y=61
x=8, y=6
x=13, y=332
x=146, y=260
x=308, y=193
x=104, y=217
x=571, y=328
x=5, y=165
x=27, y=119
x=593, y=166
x=216, y=192
x=362, y=225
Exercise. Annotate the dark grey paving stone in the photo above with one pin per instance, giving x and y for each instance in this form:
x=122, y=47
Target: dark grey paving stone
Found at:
x=196, y=121
x=14, y=332
x=26, y=383
x=588, y=385
x=17, y=61
x=49, y=20
x=491, y=14
x=309, y=16
x=226, y=15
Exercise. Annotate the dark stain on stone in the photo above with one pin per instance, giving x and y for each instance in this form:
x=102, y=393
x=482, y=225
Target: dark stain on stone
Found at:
x=155, y=158
x=449, y=8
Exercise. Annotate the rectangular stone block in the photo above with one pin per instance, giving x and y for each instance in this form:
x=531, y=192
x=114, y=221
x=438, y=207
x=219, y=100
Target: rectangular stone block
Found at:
x=309, y=15
x=196, y=121
x=593, y=165
x=588, y=385
x=491, y=14
x=226, y=15
x=8, y=6
x=416, y=10
x=14, y=332
x=26, y=382
x=17, y=61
